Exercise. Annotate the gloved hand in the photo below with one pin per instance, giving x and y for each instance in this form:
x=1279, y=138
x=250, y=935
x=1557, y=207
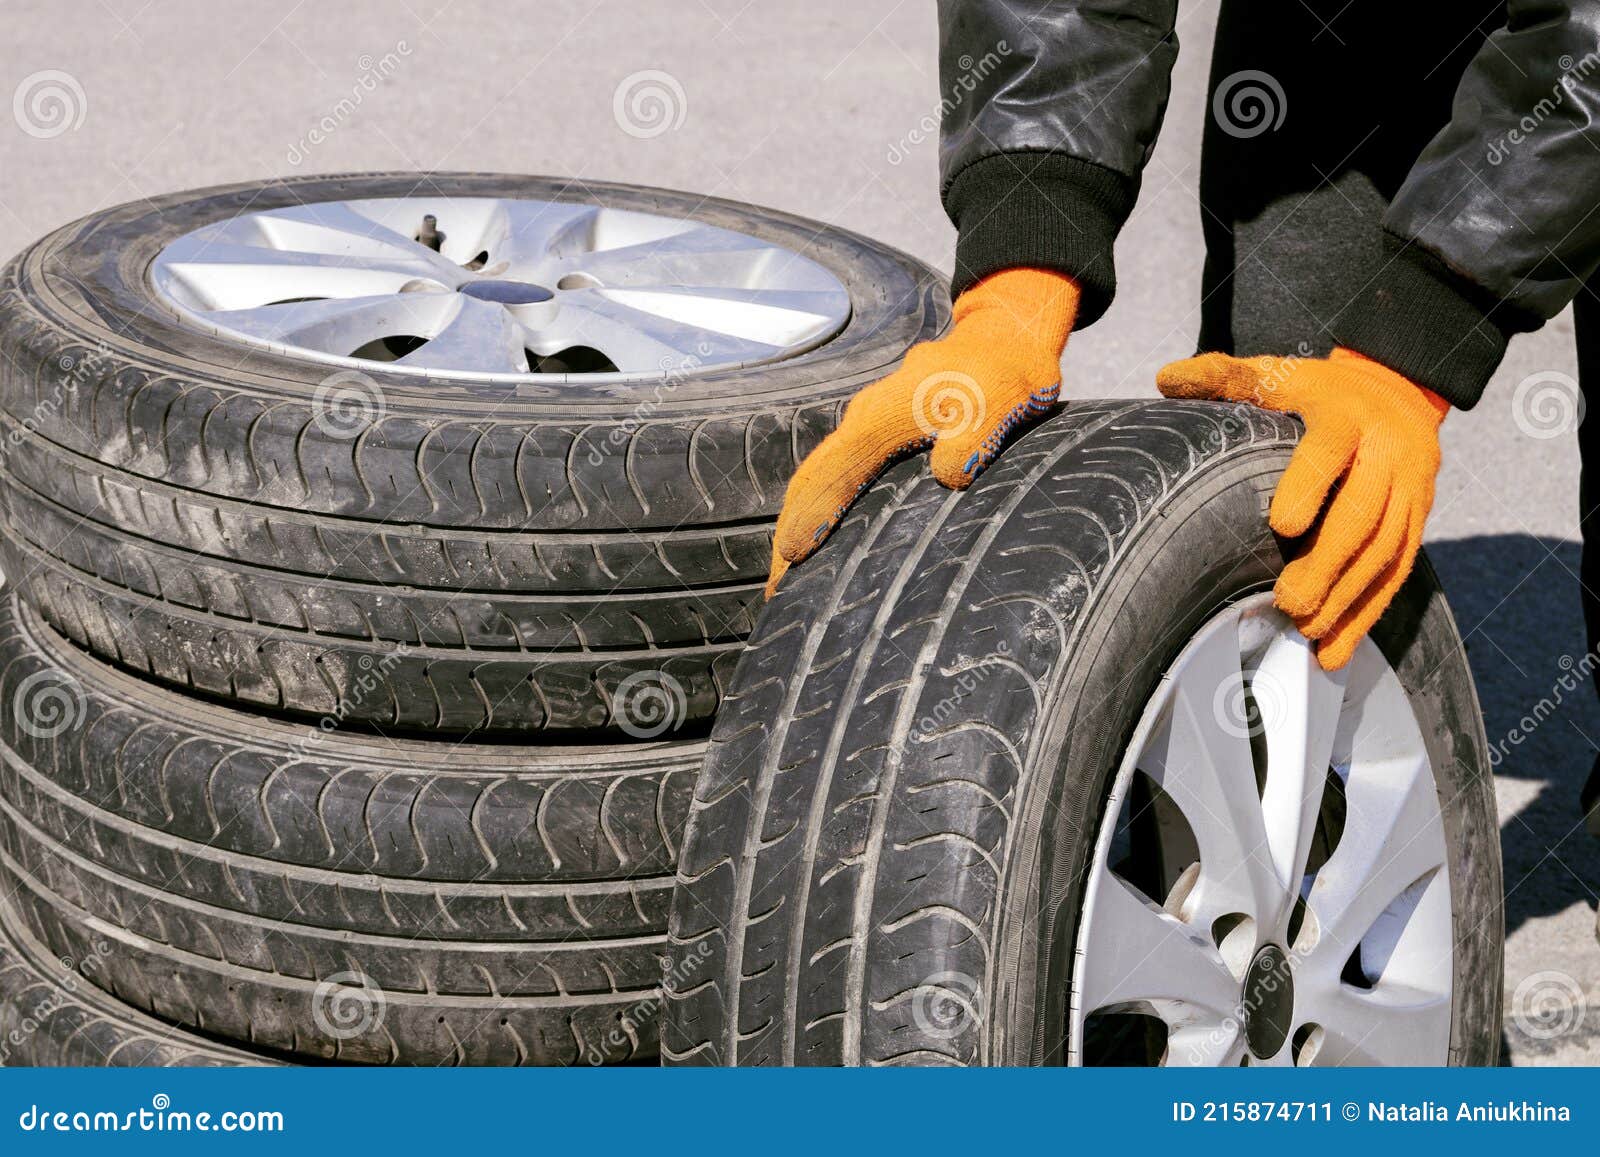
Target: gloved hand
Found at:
x=998, y=366
x=1371, y=431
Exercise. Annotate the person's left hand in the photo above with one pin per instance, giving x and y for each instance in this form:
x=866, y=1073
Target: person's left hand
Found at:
x=1369, y=430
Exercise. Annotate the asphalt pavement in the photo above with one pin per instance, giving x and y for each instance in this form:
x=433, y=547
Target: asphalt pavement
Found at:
x=820, y=108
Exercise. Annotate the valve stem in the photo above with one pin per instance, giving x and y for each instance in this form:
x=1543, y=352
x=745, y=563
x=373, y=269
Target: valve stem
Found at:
x=429, y=234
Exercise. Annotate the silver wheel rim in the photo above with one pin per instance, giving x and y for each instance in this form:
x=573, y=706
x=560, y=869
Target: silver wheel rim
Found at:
x=499, y=288
x=1356, y=941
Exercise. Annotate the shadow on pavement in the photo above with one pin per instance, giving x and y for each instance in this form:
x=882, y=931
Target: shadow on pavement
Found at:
x=1515, y=598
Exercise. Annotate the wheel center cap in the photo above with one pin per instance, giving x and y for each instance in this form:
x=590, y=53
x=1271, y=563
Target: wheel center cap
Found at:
x=1268, y=1001
x=507, y=292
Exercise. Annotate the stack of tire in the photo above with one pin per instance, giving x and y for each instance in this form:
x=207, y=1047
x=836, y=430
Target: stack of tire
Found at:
x=370, y=740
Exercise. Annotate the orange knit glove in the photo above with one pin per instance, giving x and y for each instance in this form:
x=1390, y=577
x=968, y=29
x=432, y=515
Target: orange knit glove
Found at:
x=1367, y=429
x=998, y=367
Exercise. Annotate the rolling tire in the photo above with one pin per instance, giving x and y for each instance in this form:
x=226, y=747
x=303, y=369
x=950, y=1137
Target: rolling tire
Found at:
x=53, y=1015
x=336, y=896
x=521, y=557
x=906, y=794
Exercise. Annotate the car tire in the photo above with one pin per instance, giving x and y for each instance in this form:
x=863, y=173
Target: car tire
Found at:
x=52, y=1014
x=459, y=555
x=888, y=856
x=336, y=896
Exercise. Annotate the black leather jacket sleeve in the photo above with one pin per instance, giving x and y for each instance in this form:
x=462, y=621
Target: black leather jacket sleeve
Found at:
x=1497, y=226
x=1049, y=111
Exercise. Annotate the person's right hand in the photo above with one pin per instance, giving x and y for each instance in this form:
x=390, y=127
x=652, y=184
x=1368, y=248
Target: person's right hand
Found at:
x=964, y=394
x=1363, y=476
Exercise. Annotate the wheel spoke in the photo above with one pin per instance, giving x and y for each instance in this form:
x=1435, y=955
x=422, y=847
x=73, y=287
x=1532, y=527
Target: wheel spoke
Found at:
x=334, y=228
x=530, y=237
x=1392, y=839
x=1389, y=1025
x=639, y=340
x=1299, y=708
x=705, y=257
x=482, y=338
x=772, y=317
x=339, y=325
x=223, y=275
x=1203, y=761
x=1137, y=956
x=1196, y=1046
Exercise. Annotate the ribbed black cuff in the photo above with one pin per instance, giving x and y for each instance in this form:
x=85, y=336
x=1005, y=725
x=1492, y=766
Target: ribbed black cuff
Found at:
x=1046, y=210
x=1430, y=325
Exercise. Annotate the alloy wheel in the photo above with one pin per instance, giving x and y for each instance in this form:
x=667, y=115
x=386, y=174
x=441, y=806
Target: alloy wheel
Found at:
x=1269, y=886
x=503, y=288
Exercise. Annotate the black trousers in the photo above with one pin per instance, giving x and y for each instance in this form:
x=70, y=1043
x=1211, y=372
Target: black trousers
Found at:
x=1292, y=208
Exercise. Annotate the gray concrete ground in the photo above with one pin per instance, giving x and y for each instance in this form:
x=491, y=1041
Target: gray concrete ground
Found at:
x=815, y=108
